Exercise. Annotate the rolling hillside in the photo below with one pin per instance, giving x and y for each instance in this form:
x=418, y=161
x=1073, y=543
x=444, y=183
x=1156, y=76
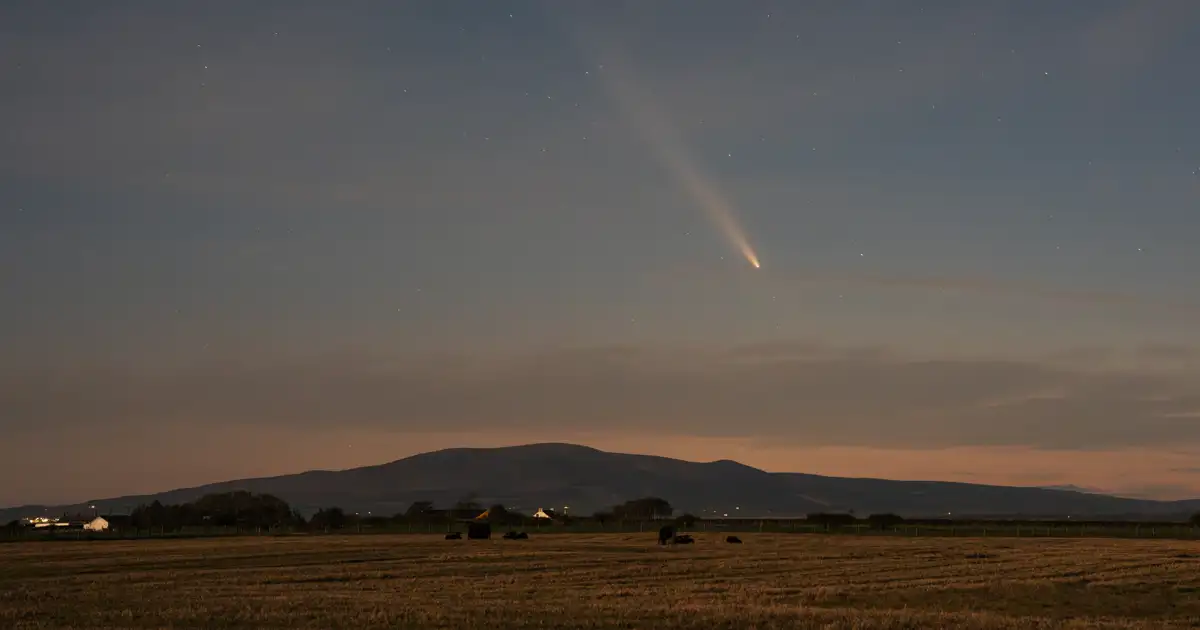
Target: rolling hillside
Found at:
x=586, y=480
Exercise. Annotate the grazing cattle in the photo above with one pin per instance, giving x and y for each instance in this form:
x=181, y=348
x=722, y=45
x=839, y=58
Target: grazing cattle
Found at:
x=516, y=536
x=666, y=534
x=454, y=536
x=522, y=536
x=479, y=531
x=683, y=539
x=733, y=539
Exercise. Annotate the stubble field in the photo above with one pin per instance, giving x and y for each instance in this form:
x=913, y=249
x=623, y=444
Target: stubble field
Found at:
x=601, y=581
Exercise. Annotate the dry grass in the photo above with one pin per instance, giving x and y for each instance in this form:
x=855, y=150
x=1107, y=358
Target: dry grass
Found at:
x=601, y=581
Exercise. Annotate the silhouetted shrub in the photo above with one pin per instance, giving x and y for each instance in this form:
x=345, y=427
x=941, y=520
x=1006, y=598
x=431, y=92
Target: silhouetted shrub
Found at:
x=687, y=520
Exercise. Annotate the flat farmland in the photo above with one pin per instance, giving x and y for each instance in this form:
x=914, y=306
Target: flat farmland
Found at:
x=601, y=581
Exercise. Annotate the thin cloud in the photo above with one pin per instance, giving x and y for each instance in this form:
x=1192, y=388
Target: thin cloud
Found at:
x=783, y=279
x=820, y=398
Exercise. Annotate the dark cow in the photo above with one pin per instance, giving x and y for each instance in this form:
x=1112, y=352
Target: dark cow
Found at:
x=733, y=540
x=454, y=536
x=516, y=536
x=683, y=539
x=479, y=531
x=666, y=534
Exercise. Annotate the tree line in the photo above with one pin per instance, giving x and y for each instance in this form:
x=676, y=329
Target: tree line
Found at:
x=247, y=511
x=424, y=512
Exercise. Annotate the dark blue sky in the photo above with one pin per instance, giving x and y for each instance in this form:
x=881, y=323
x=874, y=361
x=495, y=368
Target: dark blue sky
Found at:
x=396, y=206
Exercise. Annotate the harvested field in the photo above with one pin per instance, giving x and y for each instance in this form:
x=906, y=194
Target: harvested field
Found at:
x=601, y=581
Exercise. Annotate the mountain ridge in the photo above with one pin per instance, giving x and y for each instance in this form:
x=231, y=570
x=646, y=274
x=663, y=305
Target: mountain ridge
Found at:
x=583, y=479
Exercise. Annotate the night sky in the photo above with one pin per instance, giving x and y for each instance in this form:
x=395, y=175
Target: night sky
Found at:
x=250, y=238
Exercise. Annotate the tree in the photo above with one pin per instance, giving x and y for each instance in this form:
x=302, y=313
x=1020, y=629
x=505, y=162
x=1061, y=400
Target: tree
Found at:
x=1195, y=520
x=419, y=510
x=601, y=517
x=240, y=508
x=150, y=517
x=499, y=514
x=646, y=508
x=466, y=509
x=328, y=518
x=225, y=509
x=687, y=520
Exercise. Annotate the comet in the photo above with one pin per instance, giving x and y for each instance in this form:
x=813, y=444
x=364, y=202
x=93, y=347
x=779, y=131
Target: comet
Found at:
x=663, y=139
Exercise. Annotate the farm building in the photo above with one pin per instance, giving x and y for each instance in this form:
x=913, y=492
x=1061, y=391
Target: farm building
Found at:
x=98, y=524
x=45, y=522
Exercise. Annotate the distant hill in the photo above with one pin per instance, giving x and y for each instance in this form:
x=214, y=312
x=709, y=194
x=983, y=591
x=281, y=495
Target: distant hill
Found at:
x=1075, y=488
x=585, y=480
